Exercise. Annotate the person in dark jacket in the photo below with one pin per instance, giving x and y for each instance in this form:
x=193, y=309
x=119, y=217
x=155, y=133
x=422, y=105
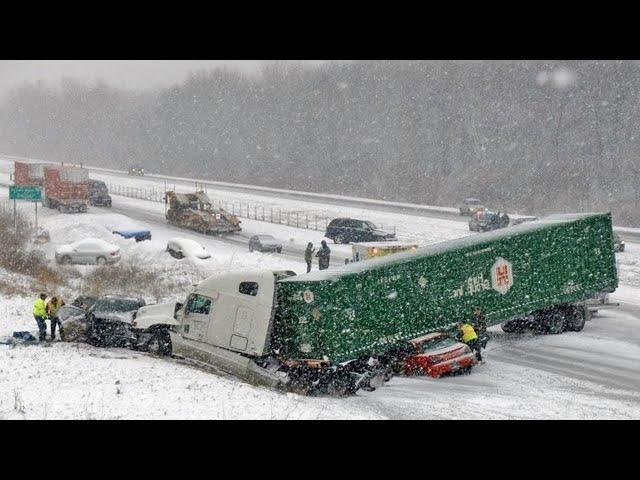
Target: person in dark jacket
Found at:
x=308, y=255
x=479, y=321
x=323, y=256
x=52, y=312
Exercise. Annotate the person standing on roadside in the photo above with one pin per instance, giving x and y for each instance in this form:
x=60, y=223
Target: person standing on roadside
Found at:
x=52, y=312
x=40, y=313
x=323, y=255
x=308, y=255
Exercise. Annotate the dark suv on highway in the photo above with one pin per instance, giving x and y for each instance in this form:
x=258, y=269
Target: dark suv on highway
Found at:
x=99, y=194
x=346, y=230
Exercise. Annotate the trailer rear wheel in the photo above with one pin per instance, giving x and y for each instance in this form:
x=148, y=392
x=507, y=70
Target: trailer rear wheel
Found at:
x=513, y=326
x=577, y=321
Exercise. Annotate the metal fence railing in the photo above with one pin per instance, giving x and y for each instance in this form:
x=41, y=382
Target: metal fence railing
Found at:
x=252, y=211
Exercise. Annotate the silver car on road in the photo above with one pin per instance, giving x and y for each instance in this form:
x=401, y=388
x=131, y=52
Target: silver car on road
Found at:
x=88, y=251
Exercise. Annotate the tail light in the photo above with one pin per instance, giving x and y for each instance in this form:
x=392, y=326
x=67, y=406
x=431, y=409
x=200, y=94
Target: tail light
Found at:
x=113, y=254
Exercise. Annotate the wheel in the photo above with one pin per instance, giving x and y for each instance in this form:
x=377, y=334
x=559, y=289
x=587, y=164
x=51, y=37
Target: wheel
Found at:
x=101, y=261
x=160, y=343
x=336, y=388
x=279, y=250
x=66, y=260
x=577, y=320
x=554, y=323
x=251, y=248
x=109, y=204
x=512, y=326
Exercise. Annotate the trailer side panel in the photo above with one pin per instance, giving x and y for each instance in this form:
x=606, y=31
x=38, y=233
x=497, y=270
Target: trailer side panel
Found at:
x=367, y=307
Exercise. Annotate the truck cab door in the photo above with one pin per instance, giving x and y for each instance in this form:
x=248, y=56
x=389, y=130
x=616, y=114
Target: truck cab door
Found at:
x=254, y=303
x=196, y=317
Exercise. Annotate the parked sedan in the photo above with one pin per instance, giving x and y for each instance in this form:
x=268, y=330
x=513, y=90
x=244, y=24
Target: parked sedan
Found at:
x=88, y=251
x=437, y=354
x=184, y=247
x=265, y=243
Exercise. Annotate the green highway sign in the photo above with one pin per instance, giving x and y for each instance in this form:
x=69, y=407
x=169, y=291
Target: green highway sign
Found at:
x=24, y=193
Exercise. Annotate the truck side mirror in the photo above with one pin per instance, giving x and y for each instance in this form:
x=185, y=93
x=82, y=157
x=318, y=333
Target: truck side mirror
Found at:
x=177, y=308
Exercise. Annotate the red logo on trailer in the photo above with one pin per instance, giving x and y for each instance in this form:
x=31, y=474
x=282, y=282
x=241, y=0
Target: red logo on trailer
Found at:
x=501, y=275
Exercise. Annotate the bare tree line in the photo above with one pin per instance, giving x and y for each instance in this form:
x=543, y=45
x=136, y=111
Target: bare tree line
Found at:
x=528, y=136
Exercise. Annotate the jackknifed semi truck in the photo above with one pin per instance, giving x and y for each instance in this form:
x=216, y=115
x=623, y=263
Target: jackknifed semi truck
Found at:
x=335, y=331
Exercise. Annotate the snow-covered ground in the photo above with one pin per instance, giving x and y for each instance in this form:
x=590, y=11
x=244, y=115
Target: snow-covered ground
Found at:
x=591, y=374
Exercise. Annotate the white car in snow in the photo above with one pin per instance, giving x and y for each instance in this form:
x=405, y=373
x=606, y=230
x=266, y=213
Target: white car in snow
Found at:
x=88, y=251
x=184, y=247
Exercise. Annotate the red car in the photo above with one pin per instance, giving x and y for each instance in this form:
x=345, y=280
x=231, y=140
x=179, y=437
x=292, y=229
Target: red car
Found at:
x=437, y=354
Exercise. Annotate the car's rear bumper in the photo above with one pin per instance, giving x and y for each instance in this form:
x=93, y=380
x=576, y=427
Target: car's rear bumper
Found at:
x=449, y=366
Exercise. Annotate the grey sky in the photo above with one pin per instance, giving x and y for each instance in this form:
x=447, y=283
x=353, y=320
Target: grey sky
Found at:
x=129, y=74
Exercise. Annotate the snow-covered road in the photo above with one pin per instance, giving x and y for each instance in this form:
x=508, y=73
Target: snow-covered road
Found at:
x=591, y=374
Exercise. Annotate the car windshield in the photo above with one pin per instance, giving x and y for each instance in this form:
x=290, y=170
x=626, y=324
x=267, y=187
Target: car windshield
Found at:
x=437, y=343
x=115, y=305
x=371, y=225
x=263, y=238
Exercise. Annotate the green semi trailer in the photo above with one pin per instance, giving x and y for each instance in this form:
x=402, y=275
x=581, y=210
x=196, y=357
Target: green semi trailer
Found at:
x=342, y=329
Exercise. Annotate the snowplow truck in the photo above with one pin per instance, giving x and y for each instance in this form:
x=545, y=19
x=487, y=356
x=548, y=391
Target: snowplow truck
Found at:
x=335, y=331
x=66, y=188
x=195, y=212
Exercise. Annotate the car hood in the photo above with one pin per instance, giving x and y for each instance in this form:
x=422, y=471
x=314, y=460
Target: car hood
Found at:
x=115, y=316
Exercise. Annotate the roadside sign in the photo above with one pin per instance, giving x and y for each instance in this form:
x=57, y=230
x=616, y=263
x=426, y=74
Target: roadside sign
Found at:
x=24, y=193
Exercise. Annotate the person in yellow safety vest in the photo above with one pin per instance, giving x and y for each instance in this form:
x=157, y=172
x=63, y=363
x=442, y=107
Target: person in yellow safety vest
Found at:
x=40, y=313
x=469, y=336
x=52, y=309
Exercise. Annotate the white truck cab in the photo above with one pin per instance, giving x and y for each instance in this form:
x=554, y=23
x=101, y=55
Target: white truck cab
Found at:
x=225, y=321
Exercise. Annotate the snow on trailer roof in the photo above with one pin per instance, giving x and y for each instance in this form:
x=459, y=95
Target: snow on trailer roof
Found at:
x=383, y=244
x=440, y=247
